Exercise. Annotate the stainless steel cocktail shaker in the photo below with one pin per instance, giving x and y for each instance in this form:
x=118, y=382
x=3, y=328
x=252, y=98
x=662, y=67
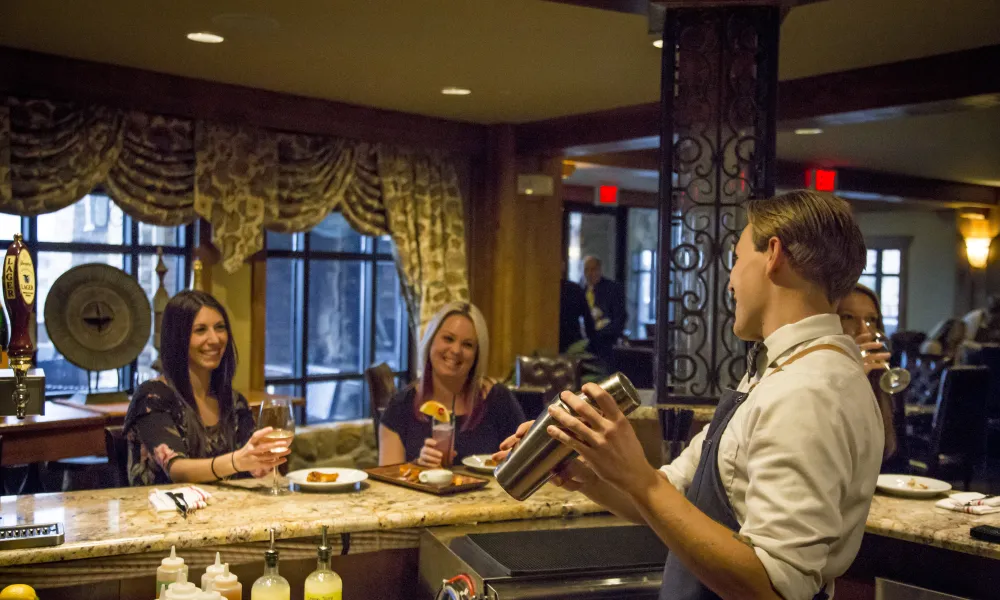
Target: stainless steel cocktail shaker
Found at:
x=534, y=460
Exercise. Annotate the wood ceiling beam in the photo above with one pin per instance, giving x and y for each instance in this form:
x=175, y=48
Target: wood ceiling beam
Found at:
x=27, y=73
x=855, y=184
x=957, y=81
x=641, y=7
x=637, y=7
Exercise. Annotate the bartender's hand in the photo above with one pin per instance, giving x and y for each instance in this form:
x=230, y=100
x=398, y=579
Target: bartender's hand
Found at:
x=607, y=442
x=256, y=456
x=508, y=444
x=575, y=476
x=874, y=360
x=430, y=456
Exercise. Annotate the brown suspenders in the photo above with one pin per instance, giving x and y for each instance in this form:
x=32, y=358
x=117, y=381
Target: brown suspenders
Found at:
x=799, y=355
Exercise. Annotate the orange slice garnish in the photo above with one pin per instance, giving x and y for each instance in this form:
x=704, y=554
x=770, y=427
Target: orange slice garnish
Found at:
x=436, y=410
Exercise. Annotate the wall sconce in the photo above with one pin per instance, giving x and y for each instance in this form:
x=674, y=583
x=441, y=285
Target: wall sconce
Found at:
x=978, y=228
x=978, y=251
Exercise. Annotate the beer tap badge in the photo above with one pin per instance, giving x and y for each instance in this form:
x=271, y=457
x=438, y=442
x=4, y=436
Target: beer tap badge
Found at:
x=25, y=276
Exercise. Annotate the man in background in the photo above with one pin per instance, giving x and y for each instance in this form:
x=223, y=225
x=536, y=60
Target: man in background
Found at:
x=606, y=300
x=572, y=308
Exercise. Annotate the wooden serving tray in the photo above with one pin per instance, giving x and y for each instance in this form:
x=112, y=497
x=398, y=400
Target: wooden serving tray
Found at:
x=395, y=474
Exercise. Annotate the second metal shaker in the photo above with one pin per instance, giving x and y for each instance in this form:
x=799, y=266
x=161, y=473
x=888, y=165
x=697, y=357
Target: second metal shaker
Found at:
x=537, y=456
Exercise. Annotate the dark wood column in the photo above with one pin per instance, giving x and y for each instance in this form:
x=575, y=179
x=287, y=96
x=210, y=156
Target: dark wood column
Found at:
x=514, y=245
x=717, y=141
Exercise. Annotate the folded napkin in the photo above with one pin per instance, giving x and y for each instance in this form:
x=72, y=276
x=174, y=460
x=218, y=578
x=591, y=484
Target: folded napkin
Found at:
x=194, y=496
x=973, y=503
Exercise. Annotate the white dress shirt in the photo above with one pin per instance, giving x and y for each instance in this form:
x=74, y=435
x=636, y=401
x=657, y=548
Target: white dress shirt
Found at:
x=800, y=457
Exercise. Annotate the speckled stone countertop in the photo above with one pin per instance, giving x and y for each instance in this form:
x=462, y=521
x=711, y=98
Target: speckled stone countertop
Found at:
x=921, y=522
x=702, y=412
x=118, y=521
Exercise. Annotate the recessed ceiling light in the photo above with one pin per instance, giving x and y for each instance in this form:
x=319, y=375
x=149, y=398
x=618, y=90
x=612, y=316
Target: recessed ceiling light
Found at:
x=808, y=131
x=455, y=91
x=658, y=43
x=205, y=38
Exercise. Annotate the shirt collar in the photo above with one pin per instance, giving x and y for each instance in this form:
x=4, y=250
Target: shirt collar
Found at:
x=789, y=336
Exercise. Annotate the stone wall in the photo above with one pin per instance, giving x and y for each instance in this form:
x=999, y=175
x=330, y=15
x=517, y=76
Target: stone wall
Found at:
x=346, y=444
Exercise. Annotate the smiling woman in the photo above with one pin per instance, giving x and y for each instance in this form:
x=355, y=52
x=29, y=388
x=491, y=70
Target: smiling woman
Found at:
x=189, y=425
x=453, y=355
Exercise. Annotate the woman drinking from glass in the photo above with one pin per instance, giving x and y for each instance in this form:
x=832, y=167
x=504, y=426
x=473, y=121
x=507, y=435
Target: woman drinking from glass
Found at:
x=861, y=317
x=190, y=425
x=453, y=356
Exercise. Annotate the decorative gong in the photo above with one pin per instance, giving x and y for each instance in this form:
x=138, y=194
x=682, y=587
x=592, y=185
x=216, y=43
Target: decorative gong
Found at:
x=98, y=317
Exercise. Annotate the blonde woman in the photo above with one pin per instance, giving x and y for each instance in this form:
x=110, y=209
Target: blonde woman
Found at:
x=452, y=364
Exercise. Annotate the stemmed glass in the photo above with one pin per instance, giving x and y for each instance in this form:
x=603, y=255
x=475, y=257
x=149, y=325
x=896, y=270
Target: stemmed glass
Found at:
x=277, y=413
x=895, y=379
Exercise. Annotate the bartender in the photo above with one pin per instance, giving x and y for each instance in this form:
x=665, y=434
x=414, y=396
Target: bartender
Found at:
x=771, y=499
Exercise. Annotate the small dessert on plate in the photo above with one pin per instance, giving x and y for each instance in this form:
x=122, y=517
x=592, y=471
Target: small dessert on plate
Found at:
x=318, y=477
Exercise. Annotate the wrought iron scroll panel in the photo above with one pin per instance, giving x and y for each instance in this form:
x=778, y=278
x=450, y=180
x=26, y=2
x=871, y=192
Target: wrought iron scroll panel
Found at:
x=717, y=151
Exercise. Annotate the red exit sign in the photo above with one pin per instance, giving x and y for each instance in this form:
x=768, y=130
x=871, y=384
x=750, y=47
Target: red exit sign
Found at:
x=607, y=195
x=821, y=180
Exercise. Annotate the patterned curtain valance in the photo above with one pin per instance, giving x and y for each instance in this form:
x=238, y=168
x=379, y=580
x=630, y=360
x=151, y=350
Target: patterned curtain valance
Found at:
x=167, y=171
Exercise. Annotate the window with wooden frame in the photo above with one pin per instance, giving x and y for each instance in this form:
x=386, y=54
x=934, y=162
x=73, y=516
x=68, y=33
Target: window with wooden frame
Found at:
x=885, y=272
x=334, y=307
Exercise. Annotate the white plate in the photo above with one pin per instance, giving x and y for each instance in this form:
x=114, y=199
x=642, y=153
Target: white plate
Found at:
x=899, y=485
x=349, y=478
x=477, y=463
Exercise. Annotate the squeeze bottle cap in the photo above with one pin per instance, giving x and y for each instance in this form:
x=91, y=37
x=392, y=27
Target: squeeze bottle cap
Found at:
x=218, y=567
x=226, y=578
x=173, y=560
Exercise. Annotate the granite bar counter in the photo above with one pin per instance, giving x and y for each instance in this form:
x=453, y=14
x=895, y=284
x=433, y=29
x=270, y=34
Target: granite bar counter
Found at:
x=119, y=522
x=114, y=539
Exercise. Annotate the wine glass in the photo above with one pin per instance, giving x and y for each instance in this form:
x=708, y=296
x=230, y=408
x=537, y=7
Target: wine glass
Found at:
x=895, y=379
x=277, y=413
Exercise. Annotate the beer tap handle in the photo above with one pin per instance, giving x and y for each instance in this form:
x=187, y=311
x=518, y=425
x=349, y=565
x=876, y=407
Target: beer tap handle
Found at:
x=19, y=296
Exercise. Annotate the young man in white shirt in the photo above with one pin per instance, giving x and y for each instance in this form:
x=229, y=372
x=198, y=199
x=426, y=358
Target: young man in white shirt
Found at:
x=771, y=499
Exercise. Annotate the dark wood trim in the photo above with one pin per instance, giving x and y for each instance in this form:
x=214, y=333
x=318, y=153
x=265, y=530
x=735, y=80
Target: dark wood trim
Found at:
x=636, y=7
x=605, y=131
x=258, y=319
x=27, y=73
x=646, y=159
x=957, y=81
x=952, y=82
x=207, y=253
x=578, y=195
x=854, y=184
x=641, y=7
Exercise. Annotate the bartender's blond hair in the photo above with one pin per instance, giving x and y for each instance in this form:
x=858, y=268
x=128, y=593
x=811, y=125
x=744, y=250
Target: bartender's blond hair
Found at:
x=818, y=233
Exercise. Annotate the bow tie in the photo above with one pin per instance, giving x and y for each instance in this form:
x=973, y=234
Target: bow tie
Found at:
x=752, y=358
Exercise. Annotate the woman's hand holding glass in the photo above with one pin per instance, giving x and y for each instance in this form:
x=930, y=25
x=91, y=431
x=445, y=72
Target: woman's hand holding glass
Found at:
x=260, y=455
x=277, y=417
x=873, y=353
x=430, y=456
